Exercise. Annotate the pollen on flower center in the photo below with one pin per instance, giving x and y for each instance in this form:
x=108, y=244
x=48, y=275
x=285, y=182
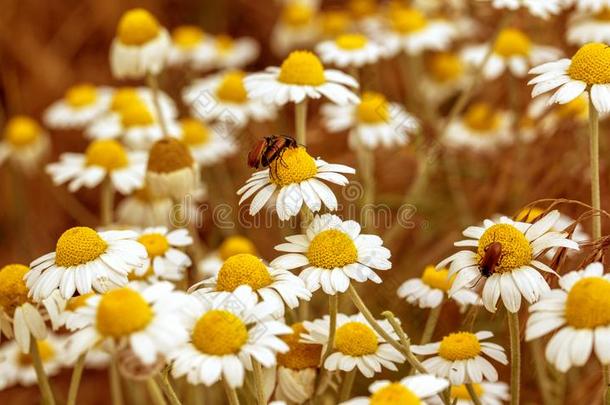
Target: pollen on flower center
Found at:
x=78, y=245
x=231, y=88
x=459, y=346
x=234, y=245
x=351, y=41
x=13, y=291
x=461, y=393
x=137, y=27
x=22, y=131
x=106, y=153
x=294, y=166
x=300, y=355
x=438, y=279
x=516, y=250
x=481, y=117
x=588, y=302
x=243, y=269
x=444, y=66
x=512, y=42
x=591, y=64
x=122, y=312
x=194, y=132
x=123, y=98
x=373, y=108
x=77, y=302
x=219, y=333
x=45, y=350
x=169, y=155
x=393, y=394
x=356, y=339
x=136, y=114
x=407, y=20
x=302, y=68
x=155, y=244
x=331, y=249
x=81, y=95
x=187, y=36
x=297, y=14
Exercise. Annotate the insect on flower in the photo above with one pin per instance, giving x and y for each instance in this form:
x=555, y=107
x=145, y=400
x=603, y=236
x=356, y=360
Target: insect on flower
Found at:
x=491, y=259
x=268, y=149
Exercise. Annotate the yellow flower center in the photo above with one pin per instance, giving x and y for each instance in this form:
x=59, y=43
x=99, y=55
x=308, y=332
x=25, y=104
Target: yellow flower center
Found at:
x=529, y=214
x=123, y=98
x=459, y=346
x=169, y=155
x=373, y=108
x=132, y=276
x=219, y=333
x=603, y=15
x=351, y=41
x=297, y=14
x=232, y=89
x=155, y=244
x=331, y=249
x=81, y=95
x=394, y=394
x=481, y=117
x=444, y=66
x=194, y=132
x=45, y=350
x=302, y=68
x=516, y=250
x=356, y=339
x=243, y=269
x=224, y=43
x=362, y=8
x=77, y=302
x=588, y=302
x=334, y=23
x=122, y=312
x=78, y=245
x=300, y=355
x=407, y=20
x=438, y=279
x=460, y=392
x=22, y=131
x=577, y=108
x=136, y=114
x=107, y=153
x=294, y=166
x=234, y=245
x=137, y=27
x=591, y=64
x=13, y=291
x=187, y=36
x=512, y=42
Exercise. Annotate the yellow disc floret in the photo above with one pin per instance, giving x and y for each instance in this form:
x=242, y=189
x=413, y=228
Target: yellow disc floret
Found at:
x=362, y=8
x=300, y=355
x=136, y=114
x=295, y=166
x=296, y=14
x=45, y=351
x=577, y=108
x=591, y=64
x=444, y=66
x=77, y=302
x=234, y=245
x=13, y=291
x=438, y=279
x=588, y=302
x=407, y=20
x=224, y=43
x=231, y=88
x=394, y=394
x=194, y=132
x=187, y=36
x=219, y=333
x=373, y=108
x=459, y=346
x=334, y=23
x=481, y=117
x=243, y=269
x=302, y=68
x=122, y=312
x=351, y=41
x=516, y=250
x=107, y=153
x=461, y=393
x=356, y=339
x=512, y=42
x=123, y=98
x=81, y=95
x=22, y=131
x=137, y=27
x=78, y=245
x=155, y=244
x=331, y=249
x=169, y=155
x=529, y=214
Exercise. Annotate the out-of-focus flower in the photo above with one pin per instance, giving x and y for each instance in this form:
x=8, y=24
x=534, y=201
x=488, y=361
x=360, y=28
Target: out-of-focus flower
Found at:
x=445, y=75
x=24, y=143
x=415, y=389
x=588, y=27
x=141, y=209
x=80, y=105
x=165, y=259
x=589, y=5
x=191, y=47
x=490, y=393
x=296, y=28
x=234, y=53
x=172, y=172
x=208, y=145
x=350, y=51
x=539, y=8
x=334, y=23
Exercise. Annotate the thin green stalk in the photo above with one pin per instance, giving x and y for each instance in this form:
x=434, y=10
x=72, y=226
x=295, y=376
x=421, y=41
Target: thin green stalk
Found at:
x=258, y=382
x=473, y=394
x=300, y=119
x=346, y=386
x=333, y=304
x=366, y=159
x=153, y=82
x=540, y=366
x=594, y=157
x=43, y=382
x=515, y=357
x=154, y=392
x=107, y=202
x=431, y=323
x=116, y=392
x=77, y=373
x=231, y=394
x=167, y=388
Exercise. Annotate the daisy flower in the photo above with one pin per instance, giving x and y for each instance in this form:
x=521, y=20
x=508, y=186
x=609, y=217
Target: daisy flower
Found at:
x=296, y=28
x=459, y=357
x=517, y=272
x=539, y=8
x=24, y=143
x=85, y=260
x=141, y=209
x=489, y=393
x=374, y=122
x=301, y=77
x=80, y=105
x=334, y=23
x=140, y=47
x=513, y=51
x=333, y=252
x=171, y=172
x=165, y=259
x=223, y=97
x=589, y=5
x=225, y=334
x=232, y=245
x=146, y=320
x=208, y=145
x=350, y=51
x=542, y=117
x=588, y=27
x=275, y=285
x=234, y=53
x=414, y=389
x=356, y=344
x=445, y=75
x=430, y=290
x=579, y=311
x=191, y=47
x=103, y=158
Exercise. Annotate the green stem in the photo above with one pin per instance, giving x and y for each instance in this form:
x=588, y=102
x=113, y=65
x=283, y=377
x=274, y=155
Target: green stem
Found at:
x=75, y=380
x=515, y=357
x=154, y=392
x=167, y=388
x=116, y=393
x=544, y=385
x=231, y=394
x=473, y=394
x=431, y=323
x=346, y=386
x=594, y=156
x=300, y=119
x=107, y=202
x=333, y=304
x=153, y=83
x=366, y=159
x=43, y=382
x=258, y=382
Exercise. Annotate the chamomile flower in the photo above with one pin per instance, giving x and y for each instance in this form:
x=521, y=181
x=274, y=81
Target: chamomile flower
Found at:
x=549, y=117
x=585, y=72
x=208, y=145
x=146, y=319
x=445, y=76
x=24, y=143
x=85, y=260
x=410, y=390
x=80, y=105
x=141, y=209
x=334, y=23
x=579, y=311
x=350, y=51
x=171, y=172
x=275, y=285
x=301, y=77
x=234, y=53
x=104, y=158
x=589, y=27
x=373, y=123
x=517, y=272
x=589, y=5
x=298, y=177
x=356, y=344
x=539, y=8
x=232, y=245
x=513, y=51
x=334, y=252
x=140, y=47
x=191, y=47
x=165, y=259
x=296, y=28
x=459, y=357
x=226, y=334
x=490, y=393
x=430, y=290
